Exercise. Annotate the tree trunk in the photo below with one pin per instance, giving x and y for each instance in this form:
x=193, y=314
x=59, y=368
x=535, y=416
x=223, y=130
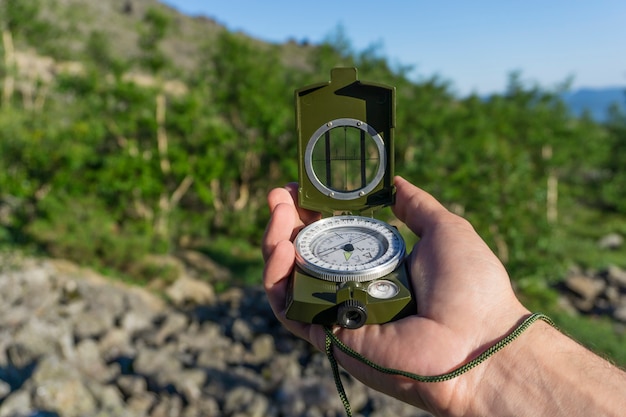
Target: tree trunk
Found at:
x=552, y=198
x=162, y=134
x=9, y=63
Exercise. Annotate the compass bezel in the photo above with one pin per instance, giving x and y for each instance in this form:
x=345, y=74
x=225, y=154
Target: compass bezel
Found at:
x=388, y=261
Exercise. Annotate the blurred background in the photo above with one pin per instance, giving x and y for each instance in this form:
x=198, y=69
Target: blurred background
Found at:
x=132, y=129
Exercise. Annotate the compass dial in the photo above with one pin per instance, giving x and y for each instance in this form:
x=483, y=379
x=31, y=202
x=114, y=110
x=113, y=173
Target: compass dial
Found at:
x=349, y=248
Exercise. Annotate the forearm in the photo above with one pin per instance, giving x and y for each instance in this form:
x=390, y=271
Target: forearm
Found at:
x=545, y=373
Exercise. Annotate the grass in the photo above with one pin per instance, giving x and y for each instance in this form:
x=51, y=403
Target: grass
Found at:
x=577, y=237
x=243, y=259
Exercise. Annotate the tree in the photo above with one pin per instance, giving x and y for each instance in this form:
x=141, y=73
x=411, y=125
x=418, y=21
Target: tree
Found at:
x=15, y=17
x=255, y=102
x=99, y=51
x=614, y=182
x=153, y=30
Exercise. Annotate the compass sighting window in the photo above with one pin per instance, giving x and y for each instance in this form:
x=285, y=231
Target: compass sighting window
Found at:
x=345, y=159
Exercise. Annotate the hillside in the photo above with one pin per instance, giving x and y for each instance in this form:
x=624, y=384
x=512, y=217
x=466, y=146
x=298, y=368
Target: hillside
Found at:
x=129, y=132
x=120, y=21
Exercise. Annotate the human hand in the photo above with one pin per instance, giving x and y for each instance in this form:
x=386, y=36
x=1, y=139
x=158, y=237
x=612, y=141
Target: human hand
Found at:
x=465, y=302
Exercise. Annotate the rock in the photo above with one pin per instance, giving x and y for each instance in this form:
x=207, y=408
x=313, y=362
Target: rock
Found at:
x=5, y=389
x=93, y=325
x=40, y=336
x=163, y=267
x=140, y=404
x=205, y=407
x=116, y=343
x=245, y=401
x=167, y=406
x=612, y=241
x=61, y=389
x=597, y=292
x=617, y=276
x=17, y=404
x=612, y=294
x=189, y=383
x=91, y=364
x=203, y=267
x=102, y=296
x=156, y=365
x=174, y=323
x=586, y=288
x=109, y=399
x=262, y=350
x=620, y=314
x=132, y=385
x=14, y=316
x=232, y=298
x=137, y=320
x=297, y=396
x=282, y=368
x=190, y=291
x=242, y=331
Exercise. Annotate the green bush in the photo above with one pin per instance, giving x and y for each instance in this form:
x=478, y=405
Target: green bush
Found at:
x=82, y=229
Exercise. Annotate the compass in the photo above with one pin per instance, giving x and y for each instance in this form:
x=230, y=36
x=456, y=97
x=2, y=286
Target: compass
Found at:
x=349, y=265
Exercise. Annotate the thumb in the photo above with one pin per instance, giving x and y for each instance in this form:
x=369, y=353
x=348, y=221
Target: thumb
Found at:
x=415, y=207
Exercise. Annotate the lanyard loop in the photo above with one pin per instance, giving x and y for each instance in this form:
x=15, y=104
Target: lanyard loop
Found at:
x=333, y=341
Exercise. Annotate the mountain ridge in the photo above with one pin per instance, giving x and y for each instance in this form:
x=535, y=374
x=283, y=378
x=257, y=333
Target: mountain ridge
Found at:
x=595, y=101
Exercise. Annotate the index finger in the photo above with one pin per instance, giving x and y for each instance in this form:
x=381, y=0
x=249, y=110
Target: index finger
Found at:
x=284, y=221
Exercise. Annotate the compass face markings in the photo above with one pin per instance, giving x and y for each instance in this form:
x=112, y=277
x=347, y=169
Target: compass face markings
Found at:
x=331, y=250
x=357, y=247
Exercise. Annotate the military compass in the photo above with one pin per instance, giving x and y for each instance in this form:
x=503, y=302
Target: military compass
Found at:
x=349, y=265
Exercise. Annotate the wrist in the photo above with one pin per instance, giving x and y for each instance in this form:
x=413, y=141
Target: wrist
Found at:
x=473, y=392
x=507, y=380
x=545, y=373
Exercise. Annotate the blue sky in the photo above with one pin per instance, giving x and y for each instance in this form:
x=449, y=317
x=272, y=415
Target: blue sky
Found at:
x=473, y=44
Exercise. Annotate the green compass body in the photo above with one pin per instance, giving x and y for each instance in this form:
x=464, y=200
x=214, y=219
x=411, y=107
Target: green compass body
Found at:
x=349, y=265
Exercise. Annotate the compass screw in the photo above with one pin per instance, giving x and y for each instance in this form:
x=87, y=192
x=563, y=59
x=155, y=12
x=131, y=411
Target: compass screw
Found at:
x=361, y=193
x=359, y=123
x=329, y=124
x=331, y=194
x=351, y=314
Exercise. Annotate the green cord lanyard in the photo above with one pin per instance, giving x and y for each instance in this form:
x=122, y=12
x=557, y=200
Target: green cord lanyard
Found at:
x=332, y=340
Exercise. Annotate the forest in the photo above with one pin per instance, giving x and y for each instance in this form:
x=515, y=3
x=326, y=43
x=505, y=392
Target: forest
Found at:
x=107, y=158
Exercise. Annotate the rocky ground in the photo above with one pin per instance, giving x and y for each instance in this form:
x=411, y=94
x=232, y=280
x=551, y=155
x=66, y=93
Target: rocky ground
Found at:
x=76, y=344
x=598, y=293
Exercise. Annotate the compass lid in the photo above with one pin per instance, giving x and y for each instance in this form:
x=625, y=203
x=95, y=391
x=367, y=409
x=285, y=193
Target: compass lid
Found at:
x=345, y=144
